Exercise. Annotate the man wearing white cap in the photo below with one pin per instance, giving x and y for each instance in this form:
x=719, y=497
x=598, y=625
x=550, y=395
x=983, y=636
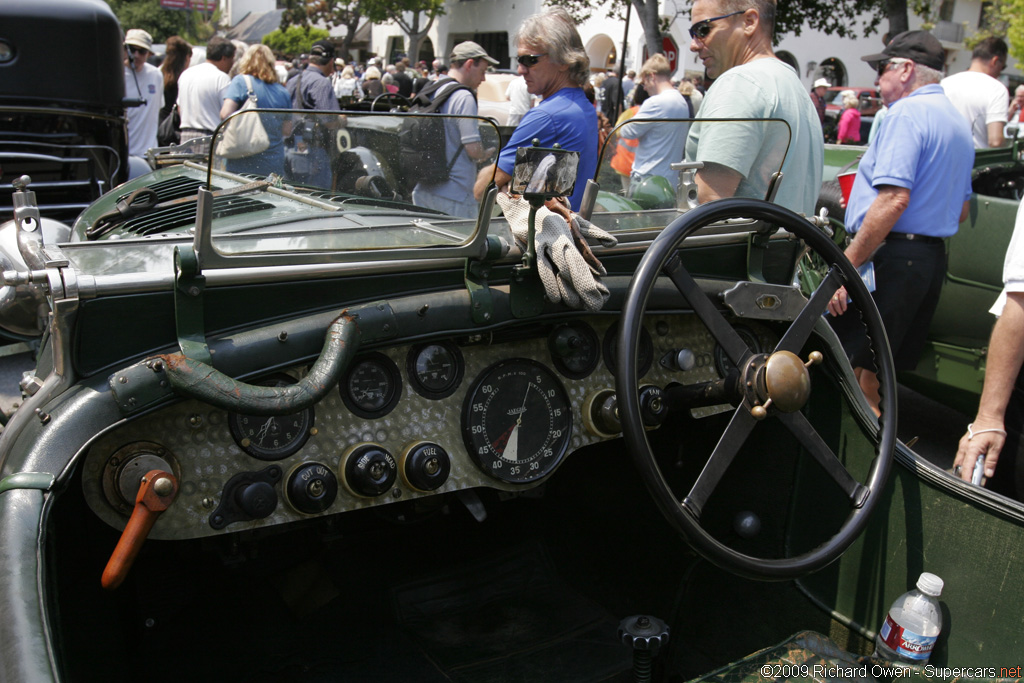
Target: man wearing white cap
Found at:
x=463, y=148
x=144, y=82
x=818, y=91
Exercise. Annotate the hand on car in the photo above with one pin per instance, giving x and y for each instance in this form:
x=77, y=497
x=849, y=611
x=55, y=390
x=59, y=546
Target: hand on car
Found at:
x=838, y=303
x=983, y=438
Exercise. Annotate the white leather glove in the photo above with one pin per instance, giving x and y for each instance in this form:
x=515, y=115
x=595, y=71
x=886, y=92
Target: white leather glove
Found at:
x=569, y=270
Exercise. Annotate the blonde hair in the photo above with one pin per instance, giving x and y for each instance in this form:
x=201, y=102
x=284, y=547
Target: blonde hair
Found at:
x=258, y=61
x=850, y=99
x=656, y=65
x=348, y=72
x=372, y=74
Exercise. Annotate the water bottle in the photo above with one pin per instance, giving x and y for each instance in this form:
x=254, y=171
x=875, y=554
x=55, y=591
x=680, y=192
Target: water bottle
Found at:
x=913, y=624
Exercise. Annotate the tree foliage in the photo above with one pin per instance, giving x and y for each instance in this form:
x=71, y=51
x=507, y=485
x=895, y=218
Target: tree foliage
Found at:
x=194, y=26
x=295, y=40
x=414, y=17
x=842, y=18
x=1002, y=19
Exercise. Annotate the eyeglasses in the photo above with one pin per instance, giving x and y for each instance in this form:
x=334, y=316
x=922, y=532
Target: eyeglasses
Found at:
x=529, y=60
x=137, y=50
x=884, y=65
x=701, y=29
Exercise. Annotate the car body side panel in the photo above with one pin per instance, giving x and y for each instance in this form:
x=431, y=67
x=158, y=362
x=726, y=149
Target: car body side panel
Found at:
x=970, y=538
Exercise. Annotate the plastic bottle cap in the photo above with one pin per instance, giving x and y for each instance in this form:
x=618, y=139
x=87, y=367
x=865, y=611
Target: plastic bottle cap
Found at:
x=930, y=584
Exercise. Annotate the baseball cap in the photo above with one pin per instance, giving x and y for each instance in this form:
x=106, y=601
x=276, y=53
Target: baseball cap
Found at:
x=920, y=46
x=139, y=38
x=322, y=48
x=470, y=50
x=821, y=83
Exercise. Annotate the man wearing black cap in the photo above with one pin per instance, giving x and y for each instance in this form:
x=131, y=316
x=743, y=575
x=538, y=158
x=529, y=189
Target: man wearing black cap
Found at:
x=312, y=89
x=310, y=141
x=910, y=193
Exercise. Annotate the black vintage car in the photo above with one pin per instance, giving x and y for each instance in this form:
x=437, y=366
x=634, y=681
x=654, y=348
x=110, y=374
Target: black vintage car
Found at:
x=61, y=104
x=288, y=431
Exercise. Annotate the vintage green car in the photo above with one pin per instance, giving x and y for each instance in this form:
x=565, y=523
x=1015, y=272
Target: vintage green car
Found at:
x=287, y=431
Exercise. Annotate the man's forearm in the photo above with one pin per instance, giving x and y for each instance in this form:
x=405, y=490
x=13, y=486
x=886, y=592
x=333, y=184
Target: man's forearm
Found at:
x=882, y=215
x=1005, y=356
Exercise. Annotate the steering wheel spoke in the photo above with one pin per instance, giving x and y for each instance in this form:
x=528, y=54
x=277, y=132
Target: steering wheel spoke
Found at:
x=797, y=334
x=720, y=329
x=798, y=424
x=735, y=435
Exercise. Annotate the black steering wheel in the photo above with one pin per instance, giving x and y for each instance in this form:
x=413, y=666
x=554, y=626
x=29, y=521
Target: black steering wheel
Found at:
x=776, y=386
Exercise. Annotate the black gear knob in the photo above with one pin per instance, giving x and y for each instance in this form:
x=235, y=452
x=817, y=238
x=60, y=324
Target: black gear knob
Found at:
x=643, y=633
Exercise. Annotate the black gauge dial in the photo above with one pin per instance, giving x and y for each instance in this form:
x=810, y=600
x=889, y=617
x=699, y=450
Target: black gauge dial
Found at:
x=435, y=370
x=575, y=349
x=516, y=421
x=272, y=437
x=372, y=386
x=722, y=362
x=645, y=350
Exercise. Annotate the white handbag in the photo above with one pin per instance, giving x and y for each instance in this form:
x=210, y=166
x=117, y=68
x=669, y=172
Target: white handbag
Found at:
x=244, y=135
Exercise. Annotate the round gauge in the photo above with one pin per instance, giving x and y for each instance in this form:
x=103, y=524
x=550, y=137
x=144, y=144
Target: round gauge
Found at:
x=645, y=351
x=372, y=386
x=435, y=370
x=575, y=349
x=516, y=421
x=722, y=362
x=272, y=437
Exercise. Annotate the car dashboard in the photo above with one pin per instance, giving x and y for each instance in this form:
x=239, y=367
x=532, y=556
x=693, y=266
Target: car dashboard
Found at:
x=500, y=410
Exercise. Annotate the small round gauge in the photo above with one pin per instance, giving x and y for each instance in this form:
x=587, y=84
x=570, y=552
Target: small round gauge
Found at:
x=272, y=437
x=516, y=421
x=575, y=349
x=372, y=386
x=435, y=370
x=645, y=350
x=722, y=362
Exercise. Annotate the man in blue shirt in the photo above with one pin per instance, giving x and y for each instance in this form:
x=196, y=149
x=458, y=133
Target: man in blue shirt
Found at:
x=555, y=65
x=910, y=192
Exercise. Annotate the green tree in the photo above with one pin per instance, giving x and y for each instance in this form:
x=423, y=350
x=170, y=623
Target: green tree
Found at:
x=330, y=13
x=843, y=18
x=414, y=17
x=1002, y=19
x=193, y=26
x=294, y=40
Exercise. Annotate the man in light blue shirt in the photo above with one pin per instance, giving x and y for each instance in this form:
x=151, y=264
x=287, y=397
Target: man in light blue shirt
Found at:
x=661, y=144
x=910, y=192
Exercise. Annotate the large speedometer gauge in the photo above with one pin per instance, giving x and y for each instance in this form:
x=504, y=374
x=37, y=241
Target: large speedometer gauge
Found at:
x=516, y=421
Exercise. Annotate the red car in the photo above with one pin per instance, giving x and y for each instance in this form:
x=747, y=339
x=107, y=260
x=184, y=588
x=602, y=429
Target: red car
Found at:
x=870, y=100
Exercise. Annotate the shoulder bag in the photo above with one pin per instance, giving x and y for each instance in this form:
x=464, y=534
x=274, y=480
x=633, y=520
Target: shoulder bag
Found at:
x=245, y=134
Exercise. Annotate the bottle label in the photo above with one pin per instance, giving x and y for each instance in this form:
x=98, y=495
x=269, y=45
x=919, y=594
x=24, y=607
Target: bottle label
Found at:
x=904, y=642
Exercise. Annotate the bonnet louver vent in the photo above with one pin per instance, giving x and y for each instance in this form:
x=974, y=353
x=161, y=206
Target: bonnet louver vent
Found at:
x=175, y=188
x=172, y=217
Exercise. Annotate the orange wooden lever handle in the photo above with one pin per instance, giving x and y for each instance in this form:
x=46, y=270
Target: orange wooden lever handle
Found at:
x=156, y=494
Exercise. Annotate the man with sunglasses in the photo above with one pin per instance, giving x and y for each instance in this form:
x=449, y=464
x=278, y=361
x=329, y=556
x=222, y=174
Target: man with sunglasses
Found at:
x=910, y=193
x=144, y=82
x=555, y=65
x=733, y=38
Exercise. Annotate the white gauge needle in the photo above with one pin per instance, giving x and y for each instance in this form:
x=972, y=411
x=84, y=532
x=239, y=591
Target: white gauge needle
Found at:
x=262, y=433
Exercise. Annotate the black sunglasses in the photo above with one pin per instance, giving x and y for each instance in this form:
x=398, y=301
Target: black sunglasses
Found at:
x=529, y=60
x=137, y=50
x=883, y=66
x=701, y=29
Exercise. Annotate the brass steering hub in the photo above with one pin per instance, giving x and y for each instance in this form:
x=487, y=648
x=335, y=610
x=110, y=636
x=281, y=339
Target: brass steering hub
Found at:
x=786, y=382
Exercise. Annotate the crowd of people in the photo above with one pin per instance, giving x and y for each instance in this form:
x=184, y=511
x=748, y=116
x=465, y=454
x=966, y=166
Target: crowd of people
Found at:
x=910, y=192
